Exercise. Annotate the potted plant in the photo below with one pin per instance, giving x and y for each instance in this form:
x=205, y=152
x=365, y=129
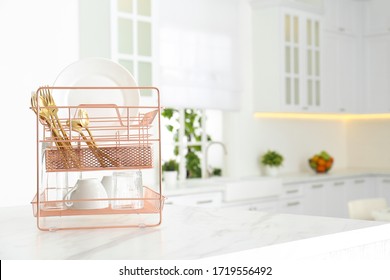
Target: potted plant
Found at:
x=170, y=169
x=272, y=160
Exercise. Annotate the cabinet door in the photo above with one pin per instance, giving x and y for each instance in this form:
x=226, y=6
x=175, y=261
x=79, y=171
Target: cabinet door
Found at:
x=292, y=24
x=349, y=90
x=341, y=72
x=302, y=57
x=377, y=16
x=341, y=16
x=361, y=188
x=315, y=199
x=313, y=100
x=383, y=184
x=377, y=73
x=336, y=198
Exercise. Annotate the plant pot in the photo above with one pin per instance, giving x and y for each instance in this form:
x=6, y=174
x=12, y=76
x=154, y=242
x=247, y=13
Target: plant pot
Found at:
x=272, y=171
x=170, y=179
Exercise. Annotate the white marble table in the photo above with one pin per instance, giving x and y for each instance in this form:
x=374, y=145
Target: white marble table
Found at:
x=186, y=233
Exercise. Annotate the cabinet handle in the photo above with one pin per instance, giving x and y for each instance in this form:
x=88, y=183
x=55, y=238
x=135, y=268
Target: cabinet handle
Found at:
x=317, y=186
x=168, y=203
x=252, y=208
x=342, y=109
x=304, y=108
x=359, y=181
x=295, y=203
x=339, y=183
x=386, y=181
x=204, y=201
x=341, y=29
x=292, y=191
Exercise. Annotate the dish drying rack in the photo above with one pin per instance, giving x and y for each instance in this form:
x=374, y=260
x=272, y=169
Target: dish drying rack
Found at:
x=100, y=138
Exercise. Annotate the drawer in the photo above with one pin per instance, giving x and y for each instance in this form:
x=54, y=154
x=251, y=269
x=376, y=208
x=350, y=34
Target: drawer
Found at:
x=292, y=191
x=291, y=206
x=211, y=199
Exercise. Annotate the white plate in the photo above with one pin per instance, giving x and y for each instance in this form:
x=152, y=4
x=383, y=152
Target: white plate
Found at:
x=96, y=72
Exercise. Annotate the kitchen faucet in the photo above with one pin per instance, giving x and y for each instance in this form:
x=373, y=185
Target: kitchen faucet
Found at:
x=207, y=172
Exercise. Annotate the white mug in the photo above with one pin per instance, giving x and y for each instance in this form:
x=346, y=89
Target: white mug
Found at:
x=87, y=189
x=108, y=184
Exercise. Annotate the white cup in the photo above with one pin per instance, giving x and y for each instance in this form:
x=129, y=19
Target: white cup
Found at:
x=108, y=184
x=87, y=190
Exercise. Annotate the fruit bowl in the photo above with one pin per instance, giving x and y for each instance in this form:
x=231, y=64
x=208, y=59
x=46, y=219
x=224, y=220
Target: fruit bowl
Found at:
x=321, y=163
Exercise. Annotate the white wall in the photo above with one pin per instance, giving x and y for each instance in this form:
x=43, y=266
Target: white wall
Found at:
x=38, y=39
x=247, y=138
x=369, y=143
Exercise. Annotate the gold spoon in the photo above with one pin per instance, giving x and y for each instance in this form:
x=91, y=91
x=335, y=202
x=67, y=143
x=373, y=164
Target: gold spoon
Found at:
x=76, y=126
x=84, y=122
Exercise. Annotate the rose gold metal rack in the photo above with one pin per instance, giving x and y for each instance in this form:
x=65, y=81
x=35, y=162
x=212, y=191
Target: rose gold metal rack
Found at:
x=99, y=139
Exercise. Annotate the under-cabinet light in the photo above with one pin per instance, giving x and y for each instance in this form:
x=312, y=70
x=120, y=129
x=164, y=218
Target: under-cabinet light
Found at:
x=315, y=116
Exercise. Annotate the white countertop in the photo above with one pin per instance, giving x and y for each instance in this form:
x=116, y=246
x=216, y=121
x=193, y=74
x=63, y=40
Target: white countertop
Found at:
x=215, y=184
x=186, y=233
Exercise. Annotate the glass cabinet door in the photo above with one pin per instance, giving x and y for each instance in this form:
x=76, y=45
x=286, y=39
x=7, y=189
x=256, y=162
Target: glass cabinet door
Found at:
x=312, y=46
x=292, y=69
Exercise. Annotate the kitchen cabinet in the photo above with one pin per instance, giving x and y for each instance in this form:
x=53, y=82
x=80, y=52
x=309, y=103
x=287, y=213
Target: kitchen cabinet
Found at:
x=341, y=16
x=377, y=17
x=377, y=72
x=336, y=199
x=287, y=60
x=383, y=184
x=361, y=187
x=315, y=202
x=209, y=199
x=292, y=200
x=341, y=80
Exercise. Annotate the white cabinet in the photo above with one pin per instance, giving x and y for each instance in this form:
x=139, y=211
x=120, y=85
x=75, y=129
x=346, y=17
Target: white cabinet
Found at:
x=315, y=202
x=211, y=199
x=292, y=200
x=377, y=16
x=342, y=16
x=377, y=73
x=361, y=187
x=287, y=60
x=340, y=78
x=336, y=197
x=384, y=188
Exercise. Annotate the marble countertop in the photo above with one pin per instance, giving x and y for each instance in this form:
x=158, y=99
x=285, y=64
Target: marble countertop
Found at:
x=186, y=233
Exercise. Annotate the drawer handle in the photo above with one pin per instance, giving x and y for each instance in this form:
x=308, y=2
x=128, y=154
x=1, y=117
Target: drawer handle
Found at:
x=204, y=201
x=342, y=29
x=295, y=203
x=359, y=181
x=339, y=183
x=317, y=186
x=252, y=208
x=168, y=203
x=386, y=181
x=292, y=191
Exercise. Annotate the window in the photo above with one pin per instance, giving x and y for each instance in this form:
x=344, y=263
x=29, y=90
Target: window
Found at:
x=187, y=135
x=131, y=41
